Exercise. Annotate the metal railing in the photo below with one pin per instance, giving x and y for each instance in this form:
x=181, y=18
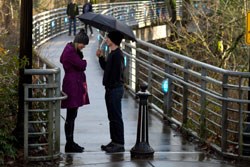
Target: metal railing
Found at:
x=208, y=102
x=50, y=24
x=42, y=112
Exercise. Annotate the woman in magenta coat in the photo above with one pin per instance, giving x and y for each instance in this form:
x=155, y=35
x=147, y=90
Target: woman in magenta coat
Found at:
x=74, y=85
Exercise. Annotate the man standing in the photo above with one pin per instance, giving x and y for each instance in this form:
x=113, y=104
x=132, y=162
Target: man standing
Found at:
x=113, y=80
x=72, y=12
x=87, y=7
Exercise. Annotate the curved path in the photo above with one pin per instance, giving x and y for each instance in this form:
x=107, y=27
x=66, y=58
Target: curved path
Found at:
x=91, y=129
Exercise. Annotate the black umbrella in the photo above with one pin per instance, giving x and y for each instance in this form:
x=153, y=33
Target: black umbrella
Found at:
x=107, y=23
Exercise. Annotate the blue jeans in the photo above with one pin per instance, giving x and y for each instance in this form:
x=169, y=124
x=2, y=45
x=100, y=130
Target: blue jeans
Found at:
x=113, y=99
x=72, y=20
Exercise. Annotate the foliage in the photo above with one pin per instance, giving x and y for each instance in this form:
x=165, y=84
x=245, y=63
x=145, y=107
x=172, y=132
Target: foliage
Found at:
x=213, y=33
x=8, y=76
x=8, y=100
x=8, y=103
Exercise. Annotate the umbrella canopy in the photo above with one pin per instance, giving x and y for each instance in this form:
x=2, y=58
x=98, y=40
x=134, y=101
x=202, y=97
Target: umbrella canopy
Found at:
x=107, y=23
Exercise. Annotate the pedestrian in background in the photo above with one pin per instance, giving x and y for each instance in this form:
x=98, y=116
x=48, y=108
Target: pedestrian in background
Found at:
x=113, y=80
x=72, y=12
x=87, y=7
x=74, y=85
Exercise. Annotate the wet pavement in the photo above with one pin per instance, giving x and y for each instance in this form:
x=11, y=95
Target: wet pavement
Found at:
x=92, y=130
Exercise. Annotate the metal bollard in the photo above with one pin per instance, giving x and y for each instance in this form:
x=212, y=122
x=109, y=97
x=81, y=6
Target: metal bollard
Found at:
x=142, y=148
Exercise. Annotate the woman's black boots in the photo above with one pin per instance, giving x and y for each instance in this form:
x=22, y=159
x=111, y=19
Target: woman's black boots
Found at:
x=71, y=146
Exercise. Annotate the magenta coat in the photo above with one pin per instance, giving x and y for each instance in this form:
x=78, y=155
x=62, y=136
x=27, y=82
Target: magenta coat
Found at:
x=74, y=81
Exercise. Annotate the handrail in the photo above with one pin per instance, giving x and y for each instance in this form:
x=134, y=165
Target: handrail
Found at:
x=195, y=91
x=201, y=98
x=50, y=24
x=197, y=100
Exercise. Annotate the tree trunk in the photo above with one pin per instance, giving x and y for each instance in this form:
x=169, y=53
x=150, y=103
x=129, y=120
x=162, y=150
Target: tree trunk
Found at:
x=172, y=13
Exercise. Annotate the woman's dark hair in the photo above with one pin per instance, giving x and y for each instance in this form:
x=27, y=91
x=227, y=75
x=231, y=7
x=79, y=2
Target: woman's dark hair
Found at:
x=81, y=37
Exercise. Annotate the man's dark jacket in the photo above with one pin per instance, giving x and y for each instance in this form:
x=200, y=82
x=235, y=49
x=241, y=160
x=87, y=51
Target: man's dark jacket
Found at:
x=72, y=10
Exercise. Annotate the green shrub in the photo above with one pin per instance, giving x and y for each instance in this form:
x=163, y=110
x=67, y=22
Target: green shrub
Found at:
x=8, y=101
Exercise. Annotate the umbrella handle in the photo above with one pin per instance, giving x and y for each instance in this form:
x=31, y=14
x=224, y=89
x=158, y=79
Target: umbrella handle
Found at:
x=103, y=41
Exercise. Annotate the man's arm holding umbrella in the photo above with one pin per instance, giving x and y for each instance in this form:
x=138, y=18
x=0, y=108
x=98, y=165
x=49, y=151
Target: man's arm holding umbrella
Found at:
x=102, y=62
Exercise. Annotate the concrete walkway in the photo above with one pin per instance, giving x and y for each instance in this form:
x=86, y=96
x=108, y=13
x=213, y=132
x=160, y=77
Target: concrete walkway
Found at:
x=91, y=129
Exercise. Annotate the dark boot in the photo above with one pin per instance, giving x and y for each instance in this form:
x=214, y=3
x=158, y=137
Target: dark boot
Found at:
x=114, y=148
x=73, y=148
x=104, y=147
x=69, y=130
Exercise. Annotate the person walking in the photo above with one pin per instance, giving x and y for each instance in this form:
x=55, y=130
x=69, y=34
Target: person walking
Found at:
x=74, y=85
x=113, y=80
x=72, y=12
x=87, y=7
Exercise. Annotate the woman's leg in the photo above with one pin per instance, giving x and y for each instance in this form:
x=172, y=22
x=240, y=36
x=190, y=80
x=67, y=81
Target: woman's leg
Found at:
x=71, y=146
x=70, y=124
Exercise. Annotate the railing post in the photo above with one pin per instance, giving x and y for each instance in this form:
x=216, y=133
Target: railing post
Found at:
x=246, y=137
x=25, y=124
x=168, y=98
x=203, y=103
x=137, y=67
x=185, y=95
x=57, y=112
x=241, y=119
x=142, y=148
x=150, y=74
x=224, y=121
x=51, y=118
x=127, y=63
x=246, y=130
x=133, y=73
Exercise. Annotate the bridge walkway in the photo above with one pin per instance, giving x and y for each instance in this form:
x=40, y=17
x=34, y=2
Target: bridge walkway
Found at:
x=91, y=129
